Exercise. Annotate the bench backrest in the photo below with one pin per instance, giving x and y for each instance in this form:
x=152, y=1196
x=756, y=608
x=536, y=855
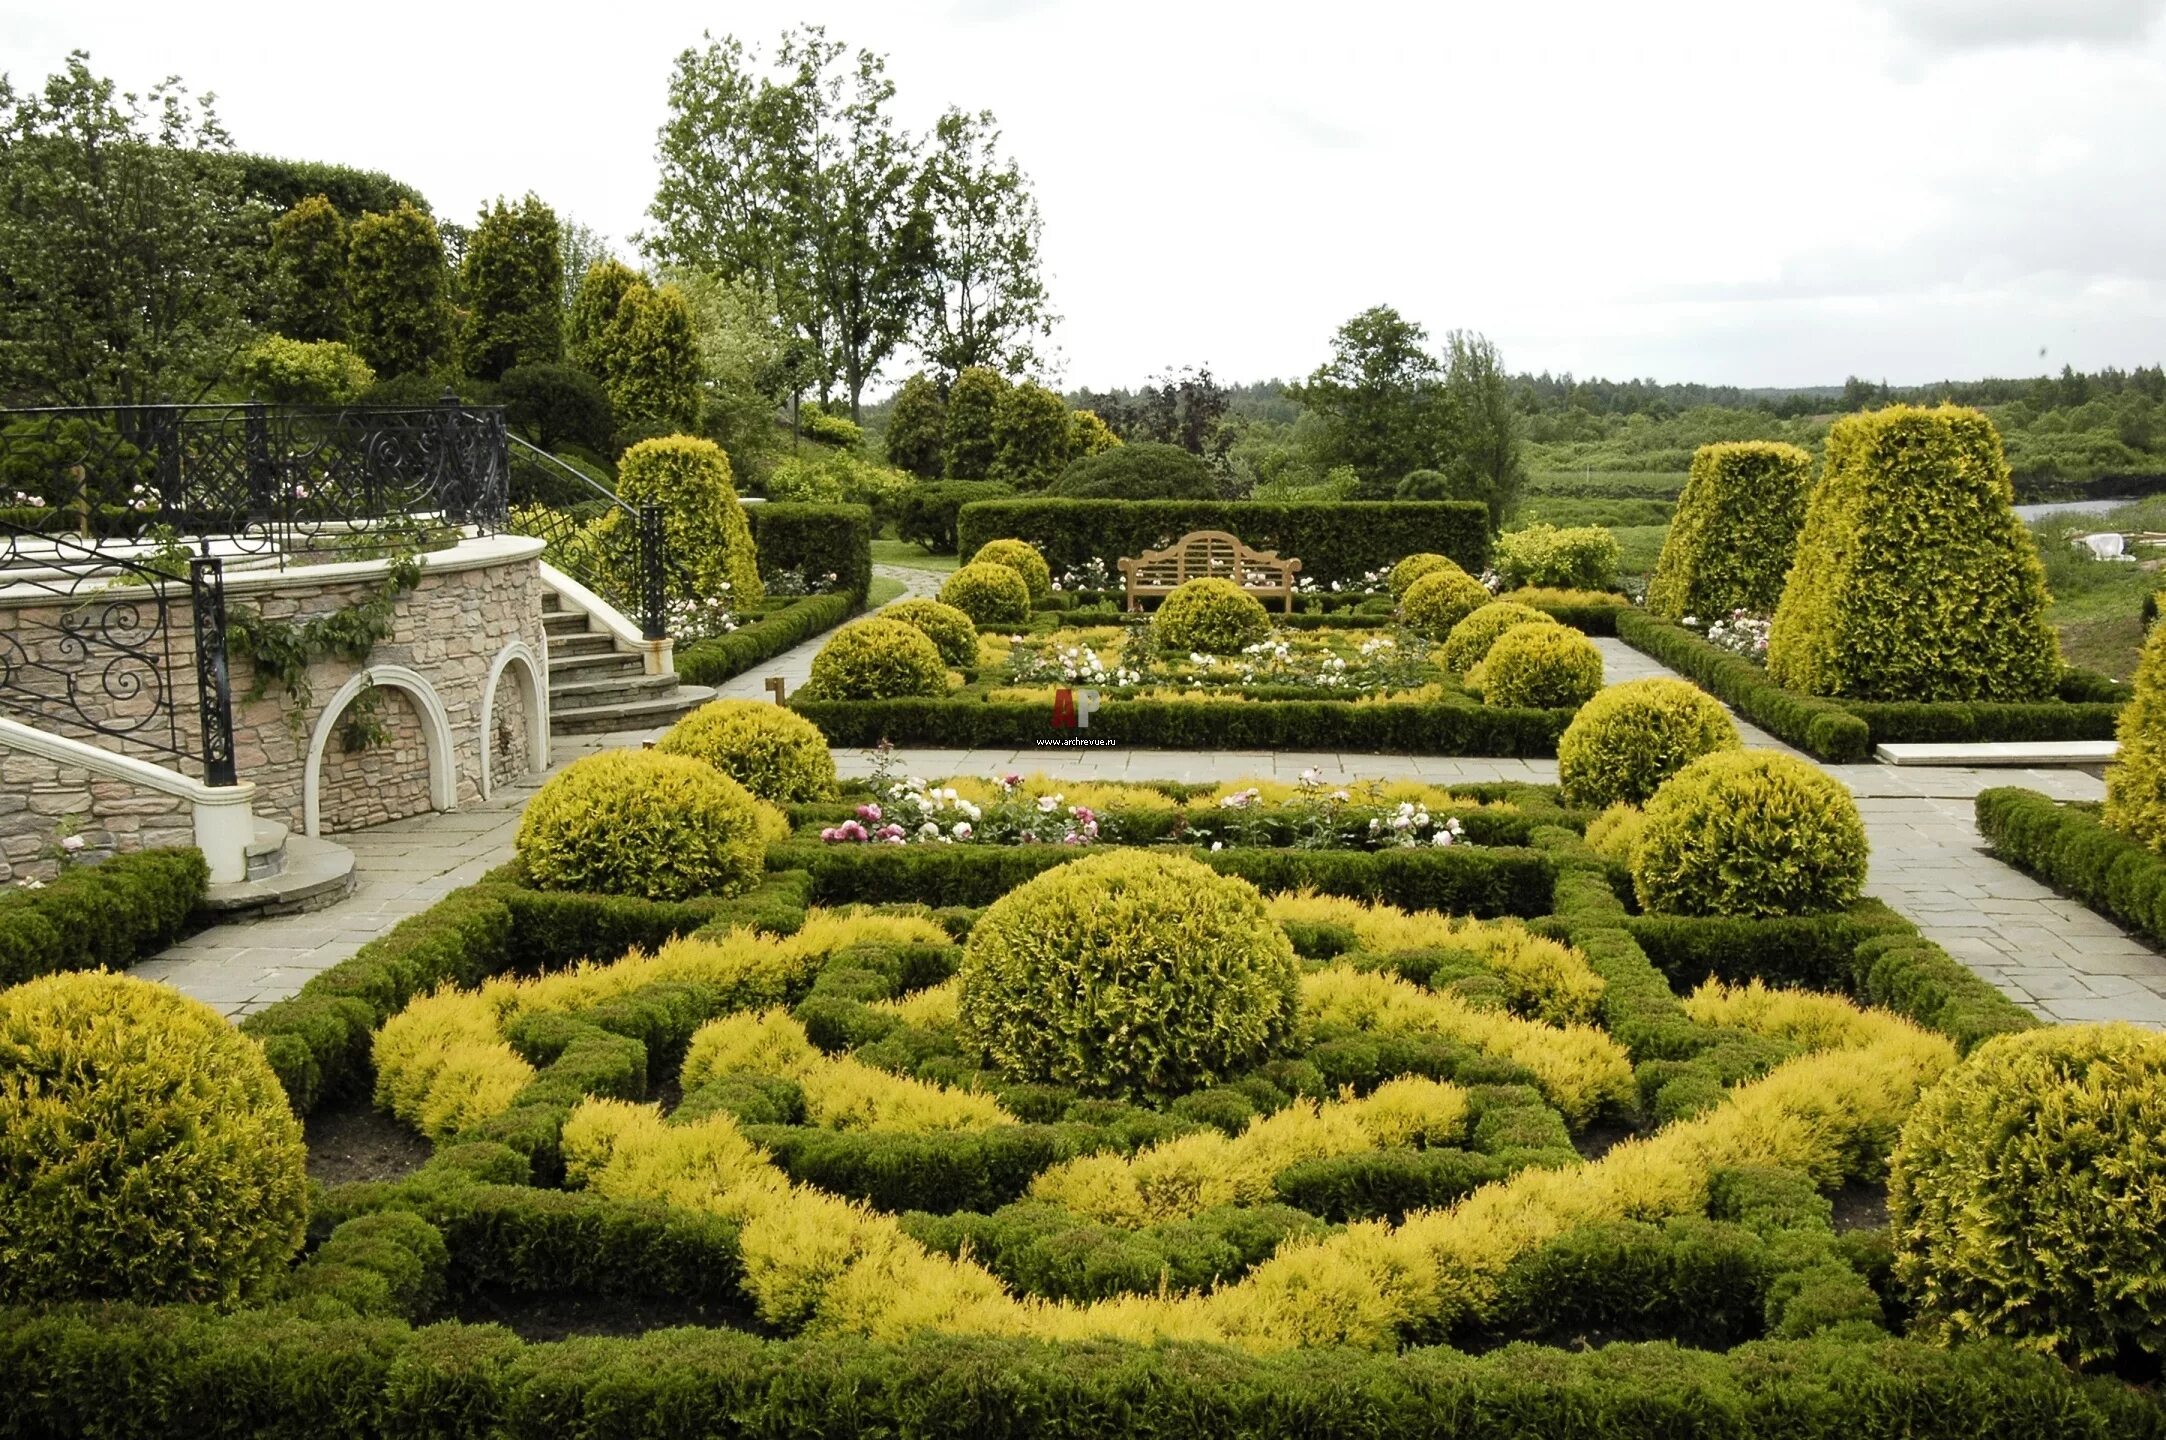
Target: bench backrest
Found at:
x=1204, y=553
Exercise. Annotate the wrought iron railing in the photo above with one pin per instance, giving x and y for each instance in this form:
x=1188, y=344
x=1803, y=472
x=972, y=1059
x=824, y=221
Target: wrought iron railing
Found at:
x=616, y=549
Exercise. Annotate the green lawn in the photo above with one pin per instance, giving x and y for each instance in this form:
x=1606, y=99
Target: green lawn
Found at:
x=2097, y=604
x=881, y=591
x=909, y=553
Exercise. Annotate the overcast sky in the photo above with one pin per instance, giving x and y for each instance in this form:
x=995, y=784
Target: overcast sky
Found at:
x=1760, y=193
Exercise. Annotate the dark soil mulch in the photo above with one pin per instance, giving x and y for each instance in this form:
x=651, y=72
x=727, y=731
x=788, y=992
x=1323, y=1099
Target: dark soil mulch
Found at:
x=1860, y=1207
x=1595, y=1141
x=353, y=1141
x=560, y=1317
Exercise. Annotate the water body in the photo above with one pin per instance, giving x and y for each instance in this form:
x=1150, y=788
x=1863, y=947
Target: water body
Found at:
x=2068, y=507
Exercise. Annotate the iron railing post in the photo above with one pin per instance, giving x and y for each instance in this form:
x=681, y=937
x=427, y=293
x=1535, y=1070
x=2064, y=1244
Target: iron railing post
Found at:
x=263, y=488
x=214, y=691
x=653, y=572
x=449, y=481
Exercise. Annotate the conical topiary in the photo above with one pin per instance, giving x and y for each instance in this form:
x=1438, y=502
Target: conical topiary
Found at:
x=1734, y=531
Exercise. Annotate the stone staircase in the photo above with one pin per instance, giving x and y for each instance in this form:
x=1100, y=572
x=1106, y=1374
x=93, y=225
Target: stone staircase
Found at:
x=595, y=686
x=288, y=874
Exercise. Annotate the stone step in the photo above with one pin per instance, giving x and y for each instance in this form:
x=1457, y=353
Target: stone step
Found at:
x=2027, y=754
x=314, y=874
x=592, y=665
x=565, y=622
x=630, y=715
x=266, y=853
x=588, y=643
x=608, y=690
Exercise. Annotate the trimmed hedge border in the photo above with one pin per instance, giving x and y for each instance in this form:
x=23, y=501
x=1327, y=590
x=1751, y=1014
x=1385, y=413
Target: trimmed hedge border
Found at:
x=108, y=915
x=815, y=540
x=712, y=661
x=1333, y=539
x=2071, y=849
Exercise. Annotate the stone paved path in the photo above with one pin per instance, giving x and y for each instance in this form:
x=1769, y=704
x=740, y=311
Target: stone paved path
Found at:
x=2051, y=954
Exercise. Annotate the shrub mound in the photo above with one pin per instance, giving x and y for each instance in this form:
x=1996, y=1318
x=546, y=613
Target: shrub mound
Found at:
x=1734, y=532
x=1212, y=615
x=636, y=822
x=1437, y=601
x=1613, y=833
x=1582, y=558
x=2136, y=782
x=879, y=659
x=1630, y=738
x=147, y=1152
x=2028, y=1193
x=1469, y=640
x=989, y=594
x=1136, y=472
x=1541, y=665
x=777, y=754
x=1914, y=579
x=1023, y=558
x=948, y=628
x=1128, y=971
x=1412, y=568
x=1749, y=832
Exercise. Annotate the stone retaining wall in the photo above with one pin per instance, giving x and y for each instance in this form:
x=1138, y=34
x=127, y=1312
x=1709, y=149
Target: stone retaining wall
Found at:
x=42, y=801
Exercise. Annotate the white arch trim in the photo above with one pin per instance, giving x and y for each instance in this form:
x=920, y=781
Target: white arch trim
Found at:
x=536, y=695
x=435, y=729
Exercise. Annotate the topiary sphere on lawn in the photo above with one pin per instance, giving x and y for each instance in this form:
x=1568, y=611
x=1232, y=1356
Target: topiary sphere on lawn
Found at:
x=1128, y=972
x=1749, y=832
x=989, y=594
x=950, y=630
x=1412, y=568
x=877, y=659
x=147, y=1152
x=2028, y=1193
x=1630, y=738
x=1437, y=601
x=1210, y=615
x=1023, y=558
x=639, y=822
x=1469, y=640
x=1541, y=665
x=777, y=754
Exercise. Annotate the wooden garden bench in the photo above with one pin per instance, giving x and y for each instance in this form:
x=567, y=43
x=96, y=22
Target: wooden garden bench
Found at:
x=1203, y=553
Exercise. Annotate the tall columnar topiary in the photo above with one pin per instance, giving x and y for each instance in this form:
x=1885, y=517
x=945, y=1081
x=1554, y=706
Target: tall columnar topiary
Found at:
x=589, y=324
x=1914, y=580
x=513, y=283
x=2028, y=1193
x=917, y=428
x=1129, y=972
x=703, y=523
x=401, y=316
x=309, y=269
x=969, y=448
x=1030, y=436
x=654, y=375
x=2136, y=782
x=146, y=1150
x=1750, y=832
x=1734, y=532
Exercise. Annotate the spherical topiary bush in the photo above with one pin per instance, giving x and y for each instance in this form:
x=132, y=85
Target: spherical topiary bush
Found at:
x=1441, y=599
x=1128, y=972
x=1749, y=832
x=1021, y=557
x=989, y=594
x=2028, y=1193
x=948, y=628
x=1541, y=665
x=637, y=822
x=1470, y=639
x=775, y=753
x=879, y=659
x=146, y=1150
x=1212, y=615
x=1412, y=568
x=1631, y=737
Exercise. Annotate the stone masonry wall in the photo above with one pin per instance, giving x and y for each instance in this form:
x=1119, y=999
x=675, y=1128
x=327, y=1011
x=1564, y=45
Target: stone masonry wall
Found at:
x=41, y=800
x=510, y=745
x=387, y=780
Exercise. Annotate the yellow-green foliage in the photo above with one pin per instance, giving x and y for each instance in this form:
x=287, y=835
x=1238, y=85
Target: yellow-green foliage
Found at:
x=1388, y=792
x=1099, y=795
x=878, y=659
x=1549, y=597
x=1437, y=601
x=146, y=1150
x=1630, y=738
x=633, y=822
x=777, y=754
x=1023, y=558
x=840, y=1094
x=1579, y=1069
x=1412, y=568
x=2136, y=781
x=1548, y=980
x=1185, y=1176
x=1613, y=833
x=1128, y=971
x=1210, y=615
x=1543, y=666
x=936, y=1006
x=2028, y=1195
x=1914, y=579
x=948, y=628
x=442, y=1064
x=1584, y=557
x=1471, y=638
x=1810, y=1019
x=702, y=521
x=989, y=594
x=1750, y=832
x=1734, y=531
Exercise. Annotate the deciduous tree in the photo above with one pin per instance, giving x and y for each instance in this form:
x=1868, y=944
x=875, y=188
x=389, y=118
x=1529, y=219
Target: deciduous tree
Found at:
x=985, y=298
x=1381, y=397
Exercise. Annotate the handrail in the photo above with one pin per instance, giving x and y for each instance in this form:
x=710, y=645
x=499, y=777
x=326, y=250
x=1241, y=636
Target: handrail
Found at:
x=650, y=536
x=571, y=471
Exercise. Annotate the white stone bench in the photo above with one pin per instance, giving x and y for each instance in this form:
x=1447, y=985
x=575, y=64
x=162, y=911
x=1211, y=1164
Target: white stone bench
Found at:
x=2030, y=754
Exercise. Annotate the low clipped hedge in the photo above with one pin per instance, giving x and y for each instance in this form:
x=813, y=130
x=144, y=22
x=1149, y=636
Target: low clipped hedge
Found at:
x=712, y=661
x=815, y=540
x=2070, y=848
x=103, y=916
x=1815, y=951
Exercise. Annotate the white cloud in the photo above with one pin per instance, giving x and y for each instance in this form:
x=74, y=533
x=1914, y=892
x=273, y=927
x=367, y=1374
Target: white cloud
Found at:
x=1982, y=24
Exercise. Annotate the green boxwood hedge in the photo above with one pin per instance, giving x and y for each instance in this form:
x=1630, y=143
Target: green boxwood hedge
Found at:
x=712, y=661
x=107, y=915
x=815, y=540
x=2070, y=848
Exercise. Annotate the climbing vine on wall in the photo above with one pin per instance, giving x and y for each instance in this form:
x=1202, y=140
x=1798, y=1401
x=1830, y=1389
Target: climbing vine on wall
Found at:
x=282, y=651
